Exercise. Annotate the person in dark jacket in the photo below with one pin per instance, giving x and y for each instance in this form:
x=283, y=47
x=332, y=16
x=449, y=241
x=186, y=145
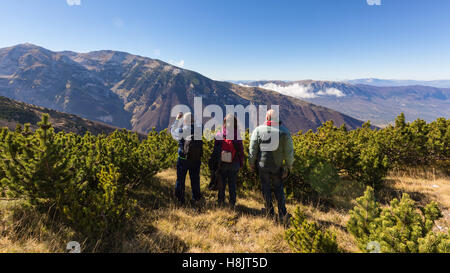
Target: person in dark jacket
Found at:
x=229, y=154
x=182, y=128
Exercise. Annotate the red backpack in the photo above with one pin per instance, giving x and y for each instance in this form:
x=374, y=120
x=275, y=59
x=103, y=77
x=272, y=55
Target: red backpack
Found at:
x=228, y=151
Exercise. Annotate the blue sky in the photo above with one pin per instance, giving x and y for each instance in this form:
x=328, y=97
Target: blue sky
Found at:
x=249, y=39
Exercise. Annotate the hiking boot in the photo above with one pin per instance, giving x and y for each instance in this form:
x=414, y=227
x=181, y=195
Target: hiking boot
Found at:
x=202, y=202
x=179, y=203
x=285, y=220
x=268, y=213
x=198, y=203
x=194, y=203
x=221, y=204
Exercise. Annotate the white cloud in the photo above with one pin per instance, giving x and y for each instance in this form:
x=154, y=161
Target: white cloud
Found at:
x=179, y=64
x=293, y=90
x=302, y=91
x=73, y=2
x=374, y=2
x=331, y=92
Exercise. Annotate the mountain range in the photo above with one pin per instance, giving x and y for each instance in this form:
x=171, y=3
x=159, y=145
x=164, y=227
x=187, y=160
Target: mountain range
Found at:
x=383, y=82
x=379, y=104
x=135, y=92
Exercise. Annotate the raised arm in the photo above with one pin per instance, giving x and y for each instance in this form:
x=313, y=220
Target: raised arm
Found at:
x=176, y=129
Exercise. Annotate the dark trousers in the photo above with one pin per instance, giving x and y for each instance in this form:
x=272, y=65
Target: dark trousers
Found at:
x=183, y=166
x=228, y=173
x=271, y=178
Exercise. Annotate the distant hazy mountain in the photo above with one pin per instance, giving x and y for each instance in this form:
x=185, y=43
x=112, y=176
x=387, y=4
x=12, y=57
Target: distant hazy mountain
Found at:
x=379, y=104
x=381, y=82
x=132, y=91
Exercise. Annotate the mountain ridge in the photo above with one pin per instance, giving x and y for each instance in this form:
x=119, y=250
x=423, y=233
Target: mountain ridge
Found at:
x=132, y=91
x=393, y=82
x=379, y=104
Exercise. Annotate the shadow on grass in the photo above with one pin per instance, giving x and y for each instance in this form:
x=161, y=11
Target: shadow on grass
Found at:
x=155, y=194
x=244, y=210
x=328, y=224
x=388, y=192
x=340, y=197
x=23, y=224
x=153, y=240
x=158, y=193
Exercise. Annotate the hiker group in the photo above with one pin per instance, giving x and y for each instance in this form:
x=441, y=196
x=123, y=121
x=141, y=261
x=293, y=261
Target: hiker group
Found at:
x=272, y=164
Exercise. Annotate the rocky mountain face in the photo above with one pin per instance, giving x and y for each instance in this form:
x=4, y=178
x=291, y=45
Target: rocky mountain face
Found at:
x=379, y=104
x=134, y=92
x=38, y=76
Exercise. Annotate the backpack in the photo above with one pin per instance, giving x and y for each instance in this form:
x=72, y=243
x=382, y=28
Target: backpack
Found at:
x=268, y=155
x=193, y=149
x=229, y=150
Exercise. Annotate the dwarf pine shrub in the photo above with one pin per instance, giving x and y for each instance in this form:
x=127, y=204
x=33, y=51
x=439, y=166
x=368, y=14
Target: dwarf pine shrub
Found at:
x=307, y=237
x=85, y=182
x=400, y=228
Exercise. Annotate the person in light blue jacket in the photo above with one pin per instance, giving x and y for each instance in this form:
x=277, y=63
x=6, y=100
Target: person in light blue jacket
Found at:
x=271, y=160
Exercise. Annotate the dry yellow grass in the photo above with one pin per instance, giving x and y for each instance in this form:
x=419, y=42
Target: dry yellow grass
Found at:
x=212, y=229
x=220, y=230
x=163, y=227
x=28, y=246
x=23, y=230
x=423, y=187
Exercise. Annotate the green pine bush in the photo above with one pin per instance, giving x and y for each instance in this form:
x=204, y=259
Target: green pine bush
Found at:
x=85, y=182
x=307, y=237
x=400, y=228
x=366, y=155
x=435, y=243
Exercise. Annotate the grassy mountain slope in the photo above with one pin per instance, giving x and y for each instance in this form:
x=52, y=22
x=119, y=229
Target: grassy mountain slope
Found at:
x=14, y=112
